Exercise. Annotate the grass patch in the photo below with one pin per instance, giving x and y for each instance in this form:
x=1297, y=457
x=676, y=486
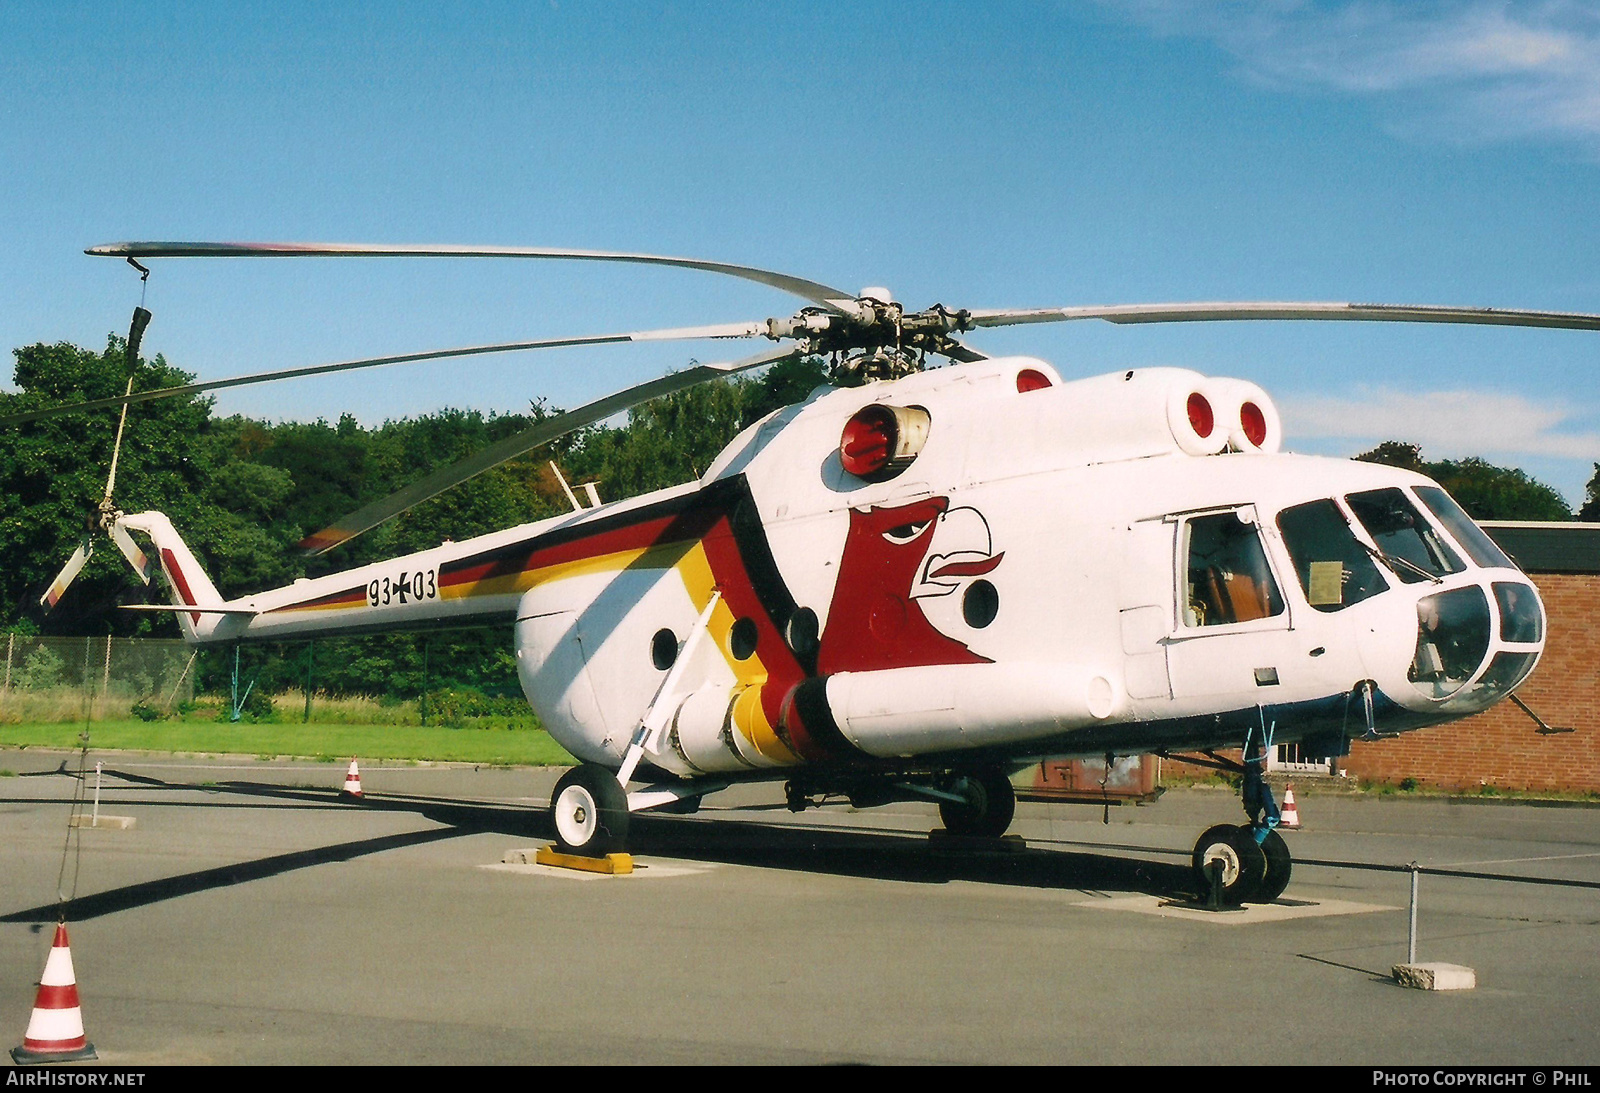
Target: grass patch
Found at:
x=491, y=746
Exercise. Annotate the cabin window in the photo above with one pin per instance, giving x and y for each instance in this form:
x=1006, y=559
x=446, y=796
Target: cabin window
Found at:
x=1409, y=544
x=742, y=639
x=663, y=649
x=1333, y=567
x=1226, y=576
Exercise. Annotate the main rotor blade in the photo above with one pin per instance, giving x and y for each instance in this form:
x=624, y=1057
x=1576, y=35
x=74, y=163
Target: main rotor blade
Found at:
x=74, y=566
x=830, y=298
x=725, y=330
x=961, y=352
x=1227, y=312
x=347, y=528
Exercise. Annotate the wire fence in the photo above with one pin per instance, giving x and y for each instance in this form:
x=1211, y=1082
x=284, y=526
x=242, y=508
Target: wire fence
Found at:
x=52, y=679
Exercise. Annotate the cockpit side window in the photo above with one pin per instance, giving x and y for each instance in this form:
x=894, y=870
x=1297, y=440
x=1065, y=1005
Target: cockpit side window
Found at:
x=1409, y=544
x=1226, y=576
x=1334, y=569
x=1468, y=534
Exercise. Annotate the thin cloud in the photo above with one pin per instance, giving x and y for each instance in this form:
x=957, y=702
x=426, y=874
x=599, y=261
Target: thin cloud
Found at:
x=1451, y=424
x=1462, y=69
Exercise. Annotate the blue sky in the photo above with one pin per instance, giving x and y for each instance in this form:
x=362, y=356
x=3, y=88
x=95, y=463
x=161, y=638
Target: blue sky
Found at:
x=1008, y=154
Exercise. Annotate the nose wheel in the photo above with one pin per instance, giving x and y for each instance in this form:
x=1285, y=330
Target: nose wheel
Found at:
x=1254, y=859
x=1252, y=871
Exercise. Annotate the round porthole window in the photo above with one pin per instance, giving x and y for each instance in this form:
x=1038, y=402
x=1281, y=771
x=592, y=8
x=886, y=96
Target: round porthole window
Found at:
x=802, y=633
x=979, y=604
x=742, y=639
x=663, y=649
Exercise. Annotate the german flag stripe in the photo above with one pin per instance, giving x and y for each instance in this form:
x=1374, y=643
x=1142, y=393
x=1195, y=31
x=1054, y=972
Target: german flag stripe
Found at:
x=350, y=597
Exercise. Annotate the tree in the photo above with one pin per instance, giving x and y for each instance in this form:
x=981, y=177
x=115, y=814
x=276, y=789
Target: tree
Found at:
x=1489, y=492
x=244, y=492
x=1393, y=453
x=1591, y=504
x=53, y=475
x=1486, y=491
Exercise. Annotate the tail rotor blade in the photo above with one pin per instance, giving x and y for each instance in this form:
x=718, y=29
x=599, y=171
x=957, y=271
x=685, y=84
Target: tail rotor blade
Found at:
x=74, y=566
x=130, y=550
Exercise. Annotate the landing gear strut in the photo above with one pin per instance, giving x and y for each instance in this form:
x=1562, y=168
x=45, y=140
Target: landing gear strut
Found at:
x=972, y=804
x=1255, y=860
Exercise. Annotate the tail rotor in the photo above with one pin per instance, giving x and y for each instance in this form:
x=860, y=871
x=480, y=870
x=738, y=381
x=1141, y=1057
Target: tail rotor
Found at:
x=110, y=517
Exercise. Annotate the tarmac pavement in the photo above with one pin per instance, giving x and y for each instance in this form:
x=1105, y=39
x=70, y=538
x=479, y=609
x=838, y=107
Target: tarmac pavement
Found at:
x=250, y=916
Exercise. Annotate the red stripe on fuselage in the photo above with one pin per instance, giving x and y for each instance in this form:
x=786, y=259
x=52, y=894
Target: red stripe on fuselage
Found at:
x=178, y=579
x=520, y=558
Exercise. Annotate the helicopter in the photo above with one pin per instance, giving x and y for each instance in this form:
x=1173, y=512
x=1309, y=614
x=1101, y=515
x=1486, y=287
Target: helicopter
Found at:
x=920, y=580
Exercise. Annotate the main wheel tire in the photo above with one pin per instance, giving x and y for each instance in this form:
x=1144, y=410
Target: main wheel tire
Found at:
x=590, y=812
x=1244, y=865
x=1279, y=864
x=988, y=807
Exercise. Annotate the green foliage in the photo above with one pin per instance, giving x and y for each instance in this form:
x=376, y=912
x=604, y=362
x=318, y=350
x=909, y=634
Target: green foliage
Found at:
x=1591, y=504
x=1393, y=453
x=1489, y=492
x=1486, y=491
x=453, y=708
x=53, y=473
x=42, y=669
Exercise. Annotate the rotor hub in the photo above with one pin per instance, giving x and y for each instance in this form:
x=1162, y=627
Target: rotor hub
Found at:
x=872, y=324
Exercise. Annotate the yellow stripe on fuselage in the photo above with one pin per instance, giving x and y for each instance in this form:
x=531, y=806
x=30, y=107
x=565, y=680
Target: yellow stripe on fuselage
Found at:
x=512, y=584
x=747, y=714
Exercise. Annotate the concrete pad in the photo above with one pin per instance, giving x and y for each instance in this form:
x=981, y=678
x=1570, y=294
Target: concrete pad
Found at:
x=1279, y=911
x=114, y=823
x=1436, y=977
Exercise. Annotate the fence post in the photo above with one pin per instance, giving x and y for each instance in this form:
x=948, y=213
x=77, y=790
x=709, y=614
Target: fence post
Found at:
x=88, y=680
x=422, y=703
x=105, y=680
x=311, y=659
x=11, y=643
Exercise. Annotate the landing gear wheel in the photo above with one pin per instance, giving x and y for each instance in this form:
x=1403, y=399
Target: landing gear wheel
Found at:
x=986, y=811
x=590, y=811
x=1244, y=865
x=1279, y=864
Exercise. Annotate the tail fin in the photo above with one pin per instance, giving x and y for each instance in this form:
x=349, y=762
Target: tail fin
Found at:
x=186, y=580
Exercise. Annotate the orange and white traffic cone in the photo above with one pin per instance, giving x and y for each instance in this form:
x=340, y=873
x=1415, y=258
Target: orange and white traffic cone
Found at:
x=352, y=782
x=55, y=1032
x=1290, y=819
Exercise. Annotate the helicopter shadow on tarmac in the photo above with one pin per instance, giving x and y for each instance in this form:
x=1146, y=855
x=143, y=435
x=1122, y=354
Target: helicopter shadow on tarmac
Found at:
x=906, y=857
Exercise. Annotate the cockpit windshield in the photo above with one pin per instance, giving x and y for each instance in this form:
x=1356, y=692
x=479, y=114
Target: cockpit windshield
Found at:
x=1408, y=544
x=1335, y=570
x=1468, y=534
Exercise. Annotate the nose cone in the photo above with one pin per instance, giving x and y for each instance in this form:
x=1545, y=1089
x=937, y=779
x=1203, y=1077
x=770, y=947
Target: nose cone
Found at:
x=1475, y=643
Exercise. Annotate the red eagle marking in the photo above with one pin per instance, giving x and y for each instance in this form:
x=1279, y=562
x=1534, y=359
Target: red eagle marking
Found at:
x=873, y=621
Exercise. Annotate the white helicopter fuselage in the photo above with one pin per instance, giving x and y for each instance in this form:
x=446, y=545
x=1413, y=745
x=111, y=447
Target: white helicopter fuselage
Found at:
x=1113, y=565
